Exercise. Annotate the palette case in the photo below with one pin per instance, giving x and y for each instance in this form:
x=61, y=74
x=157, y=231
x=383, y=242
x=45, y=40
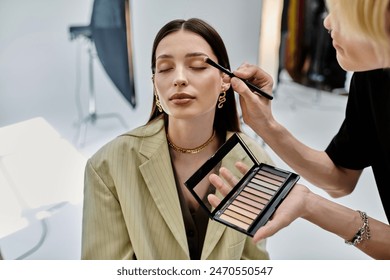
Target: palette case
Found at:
x=256, y=196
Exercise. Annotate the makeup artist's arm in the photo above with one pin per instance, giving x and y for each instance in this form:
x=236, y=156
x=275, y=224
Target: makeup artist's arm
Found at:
x=332, y=217
x=313, y=165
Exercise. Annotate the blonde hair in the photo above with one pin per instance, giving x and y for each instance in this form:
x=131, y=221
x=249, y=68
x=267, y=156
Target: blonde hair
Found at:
x=367, y=19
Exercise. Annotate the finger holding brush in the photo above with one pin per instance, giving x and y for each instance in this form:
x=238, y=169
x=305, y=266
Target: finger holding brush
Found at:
x=256, y=112
x=250, y=85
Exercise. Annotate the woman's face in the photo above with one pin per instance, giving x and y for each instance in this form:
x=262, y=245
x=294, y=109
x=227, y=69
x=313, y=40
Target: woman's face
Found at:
x=186, y=85
x=354, y=53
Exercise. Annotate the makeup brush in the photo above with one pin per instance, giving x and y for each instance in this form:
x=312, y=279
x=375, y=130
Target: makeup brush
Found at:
x=254, y=88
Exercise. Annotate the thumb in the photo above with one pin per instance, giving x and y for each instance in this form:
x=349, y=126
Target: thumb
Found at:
x=241, y=88
x=264, y=232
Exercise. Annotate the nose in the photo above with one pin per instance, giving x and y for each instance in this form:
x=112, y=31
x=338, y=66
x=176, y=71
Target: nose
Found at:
x=326, y=22
x=180, y=82
x=180, y=78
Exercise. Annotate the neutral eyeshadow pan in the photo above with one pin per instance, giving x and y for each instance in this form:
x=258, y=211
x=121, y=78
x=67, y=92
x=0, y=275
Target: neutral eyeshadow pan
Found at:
x=269, y=180
x=250, y=202
x=234, y=221
x=241, y=210
x=273, y=176
x=238, y=216
x=246, y=207
x=253, y=191
x=265, y=184
x=258, y=198
x=264, y=190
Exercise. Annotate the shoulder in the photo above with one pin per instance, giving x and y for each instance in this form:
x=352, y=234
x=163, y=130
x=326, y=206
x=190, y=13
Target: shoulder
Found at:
x=369, y=87
x=372, y=73
x=131, y=142
x=376, y=78
x=147, y=130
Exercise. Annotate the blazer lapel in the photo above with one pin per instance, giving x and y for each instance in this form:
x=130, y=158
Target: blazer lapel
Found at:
x=213, y=234
x=158, y=175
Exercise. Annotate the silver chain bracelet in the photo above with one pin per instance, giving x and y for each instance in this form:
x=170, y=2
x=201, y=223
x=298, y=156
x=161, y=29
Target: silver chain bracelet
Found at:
x=363, y=232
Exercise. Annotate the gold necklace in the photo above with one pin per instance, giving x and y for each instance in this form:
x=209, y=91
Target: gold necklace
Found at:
x=190, y=151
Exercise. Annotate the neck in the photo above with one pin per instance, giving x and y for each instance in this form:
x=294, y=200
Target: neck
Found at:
x=189, y=134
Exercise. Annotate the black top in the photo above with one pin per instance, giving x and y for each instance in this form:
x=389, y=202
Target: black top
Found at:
x=364, y=137
x=195, y=222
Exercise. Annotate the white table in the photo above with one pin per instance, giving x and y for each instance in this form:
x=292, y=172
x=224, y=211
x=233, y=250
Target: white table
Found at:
x=41, y=178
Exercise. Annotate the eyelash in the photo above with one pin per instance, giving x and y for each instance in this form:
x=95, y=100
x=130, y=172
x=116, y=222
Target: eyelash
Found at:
x=164, y=70
x=200, y=68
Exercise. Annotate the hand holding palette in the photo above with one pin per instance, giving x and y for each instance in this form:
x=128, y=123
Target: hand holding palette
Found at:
x=256, y=196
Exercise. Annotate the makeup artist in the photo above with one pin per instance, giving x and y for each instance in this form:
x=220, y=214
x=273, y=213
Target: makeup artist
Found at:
x=135, y=203
x=360, y=30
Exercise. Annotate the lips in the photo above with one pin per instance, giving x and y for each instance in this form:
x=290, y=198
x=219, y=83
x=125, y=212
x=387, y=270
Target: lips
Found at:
x=181, y=98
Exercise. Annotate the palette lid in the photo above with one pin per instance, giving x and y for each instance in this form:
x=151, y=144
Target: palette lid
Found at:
x=234, y=150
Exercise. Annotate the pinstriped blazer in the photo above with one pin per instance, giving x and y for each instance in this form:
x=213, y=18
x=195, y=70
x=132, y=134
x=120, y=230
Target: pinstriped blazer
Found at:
x=132, y=209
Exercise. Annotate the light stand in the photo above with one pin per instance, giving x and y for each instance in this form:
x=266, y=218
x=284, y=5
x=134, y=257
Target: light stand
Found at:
x=92, y=116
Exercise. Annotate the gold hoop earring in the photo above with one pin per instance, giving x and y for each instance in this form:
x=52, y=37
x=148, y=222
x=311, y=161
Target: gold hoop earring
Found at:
x=158, y=103
x=221, y=99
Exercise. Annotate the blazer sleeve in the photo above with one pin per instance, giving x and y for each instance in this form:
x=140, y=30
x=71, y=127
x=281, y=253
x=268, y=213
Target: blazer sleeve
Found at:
x=254, y=251
x=104, y=233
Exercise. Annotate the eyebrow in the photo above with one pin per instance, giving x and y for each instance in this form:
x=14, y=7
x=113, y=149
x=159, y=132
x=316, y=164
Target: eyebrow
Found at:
x=194, y=54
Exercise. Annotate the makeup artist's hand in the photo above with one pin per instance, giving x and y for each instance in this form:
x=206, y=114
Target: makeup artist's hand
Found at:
x=293, y=207
x=256, y=110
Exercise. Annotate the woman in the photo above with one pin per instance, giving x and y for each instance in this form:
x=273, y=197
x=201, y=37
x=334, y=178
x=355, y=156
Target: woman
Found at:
x=360, y=30
x=136, y=205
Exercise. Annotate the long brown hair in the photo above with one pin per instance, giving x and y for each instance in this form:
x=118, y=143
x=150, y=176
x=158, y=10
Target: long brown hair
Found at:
x=226, y=118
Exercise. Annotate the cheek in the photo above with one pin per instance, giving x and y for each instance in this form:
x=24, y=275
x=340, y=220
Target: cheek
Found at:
x=161, y=86
x=214, y=85
x=214, y=89
x=355, y=54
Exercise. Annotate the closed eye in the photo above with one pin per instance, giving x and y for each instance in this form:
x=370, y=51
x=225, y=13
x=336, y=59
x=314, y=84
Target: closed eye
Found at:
x=164, y=70
x=198, y=68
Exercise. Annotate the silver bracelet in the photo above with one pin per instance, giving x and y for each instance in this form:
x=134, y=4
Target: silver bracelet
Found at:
x=363, y=233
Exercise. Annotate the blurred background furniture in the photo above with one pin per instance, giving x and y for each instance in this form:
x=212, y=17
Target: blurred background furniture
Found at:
x=41, y=180
x=306, y=50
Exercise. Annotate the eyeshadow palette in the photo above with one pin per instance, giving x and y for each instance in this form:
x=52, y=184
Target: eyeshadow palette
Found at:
x=256, y=194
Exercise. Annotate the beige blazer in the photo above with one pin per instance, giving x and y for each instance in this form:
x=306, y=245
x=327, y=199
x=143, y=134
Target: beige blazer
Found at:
x=132, y=210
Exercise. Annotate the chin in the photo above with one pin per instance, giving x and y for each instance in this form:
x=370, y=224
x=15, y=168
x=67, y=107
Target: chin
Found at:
x=353, y=67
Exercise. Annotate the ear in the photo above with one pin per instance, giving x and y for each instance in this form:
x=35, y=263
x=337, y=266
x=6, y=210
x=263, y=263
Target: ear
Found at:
x=225, y=86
